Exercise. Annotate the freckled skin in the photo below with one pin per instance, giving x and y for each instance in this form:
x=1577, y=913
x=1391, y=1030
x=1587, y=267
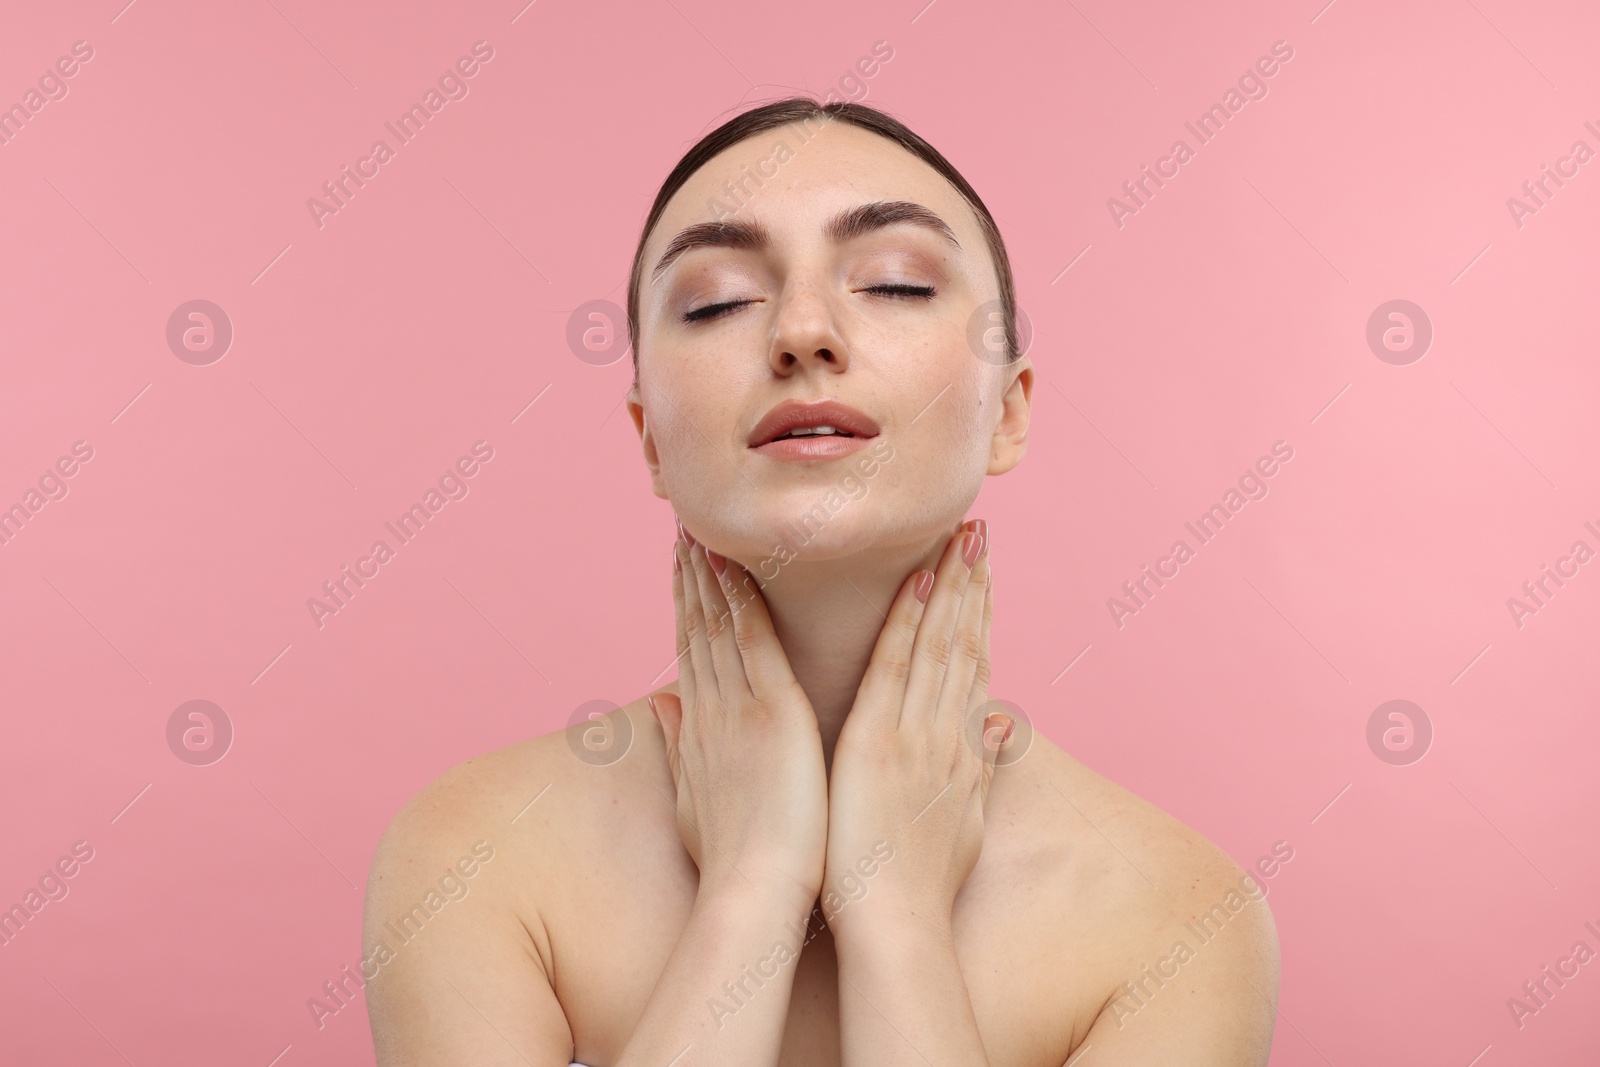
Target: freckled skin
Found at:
x=1079, y=884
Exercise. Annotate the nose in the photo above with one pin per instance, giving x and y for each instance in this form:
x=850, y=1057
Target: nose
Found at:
x=806, y=336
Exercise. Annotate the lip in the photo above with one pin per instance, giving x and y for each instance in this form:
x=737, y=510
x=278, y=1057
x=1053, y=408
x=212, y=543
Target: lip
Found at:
x=830, y=446
x=790, y=414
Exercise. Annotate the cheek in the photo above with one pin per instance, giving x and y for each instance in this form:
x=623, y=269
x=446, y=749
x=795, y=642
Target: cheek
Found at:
x=972, y=430
x=682, y=450
x=957, y=423
x=941, y=459
x=694, y=435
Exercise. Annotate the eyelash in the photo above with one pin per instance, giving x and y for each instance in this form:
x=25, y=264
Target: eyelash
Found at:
x=713, y=311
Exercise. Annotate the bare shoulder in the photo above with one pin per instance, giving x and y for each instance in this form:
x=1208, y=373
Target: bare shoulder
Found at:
x=534, y=800
x=472, y=802
x=480, y=789
x=452, y=926
x=1183, y=944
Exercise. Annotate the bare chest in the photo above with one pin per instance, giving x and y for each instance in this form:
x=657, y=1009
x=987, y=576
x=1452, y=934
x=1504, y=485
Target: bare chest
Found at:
x=1033, y=987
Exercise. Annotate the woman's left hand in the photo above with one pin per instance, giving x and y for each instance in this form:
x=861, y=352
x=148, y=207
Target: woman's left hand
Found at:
x=910, y=776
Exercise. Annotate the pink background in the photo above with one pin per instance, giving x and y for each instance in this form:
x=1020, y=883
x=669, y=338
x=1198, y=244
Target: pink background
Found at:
x=1227, y=314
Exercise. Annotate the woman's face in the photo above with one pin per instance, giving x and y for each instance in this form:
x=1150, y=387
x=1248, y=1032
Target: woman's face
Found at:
x=728, y=331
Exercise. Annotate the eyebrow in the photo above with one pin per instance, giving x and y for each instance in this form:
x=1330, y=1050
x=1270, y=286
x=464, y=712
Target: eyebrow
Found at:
x=845, y=226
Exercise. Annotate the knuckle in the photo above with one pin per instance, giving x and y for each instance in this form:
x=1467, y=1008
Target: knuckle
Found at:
x=895, y=665
x=716, y=625
x=938, y=650
x=746, y=638
x=969, y=643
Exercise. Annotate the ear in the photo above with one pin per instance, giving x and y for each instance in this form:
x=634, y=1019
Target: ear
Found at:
x=646, y=439
x=1011, y=435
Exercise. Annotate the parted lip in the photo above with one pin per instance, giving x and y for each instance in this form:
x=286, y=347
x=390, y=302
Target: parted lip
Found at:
x=792, y=414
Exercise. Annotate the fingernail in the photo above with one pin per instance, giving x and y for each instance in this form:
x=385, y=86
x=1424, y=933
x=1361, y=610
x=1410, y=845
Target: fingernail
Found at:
x=983, y=534
x=1011, y=724
x=651, y=700
x=989, y=728
x=970, y=548
x=677, y=565
x=682, y=534
x=716, y=561
x=924, y=586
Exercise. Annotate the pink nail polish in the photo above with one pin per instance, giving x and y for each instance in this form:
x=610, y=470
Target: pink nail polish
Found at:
x=717, y=562
x=677, y=566
x=970, y=548
x=924, y=586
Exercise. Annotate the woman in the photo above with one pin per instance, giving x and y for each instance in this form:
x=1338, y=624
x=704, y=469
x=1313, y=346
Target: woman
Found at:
x=821, y=845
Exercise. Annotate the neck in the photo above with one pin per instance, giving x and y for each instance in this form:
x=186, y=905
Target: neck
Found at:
x=828, y=616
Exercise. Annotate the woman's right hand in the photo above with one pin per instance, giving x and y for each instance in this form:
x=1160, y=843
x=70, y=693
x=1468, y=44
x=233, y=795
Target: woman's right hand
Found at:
x=742, y=741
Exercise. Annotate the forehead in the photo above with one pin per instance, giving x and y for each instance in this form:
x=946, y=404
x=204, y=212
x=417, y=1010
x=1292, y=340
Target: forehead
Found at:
x=792, y=179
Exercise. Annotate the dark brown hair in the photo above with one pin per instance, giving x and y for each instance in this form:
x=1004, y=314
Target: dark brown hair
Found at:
x=805, y=110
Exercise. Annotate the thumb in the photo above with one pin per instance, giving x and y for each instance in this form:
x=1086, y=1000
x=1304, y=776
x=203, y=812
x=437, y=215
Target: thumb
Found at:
x=668, y=710
x=997, y=730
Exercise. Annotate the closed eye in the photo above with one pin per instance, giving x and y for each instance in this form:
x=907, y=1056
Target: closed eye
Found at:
x=712, y=311
x=920, y=291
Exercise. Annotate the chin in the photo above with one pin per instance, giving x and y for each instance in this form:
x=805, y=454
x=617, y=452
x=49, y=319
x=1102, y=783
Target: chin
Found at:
x=776, y=538
x=869, y=525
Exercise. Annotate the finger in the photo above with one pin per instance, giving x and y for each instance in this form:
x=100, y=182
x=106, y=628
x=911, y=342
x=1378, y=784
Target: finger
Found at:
x=686, y=684
x=668, y=710
x=694, y=629
x=935, y=641
x=980, y=680
x=725, y=657
x=766, y=666
x=966, y=643
x=997, y=731
x=883, y=687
